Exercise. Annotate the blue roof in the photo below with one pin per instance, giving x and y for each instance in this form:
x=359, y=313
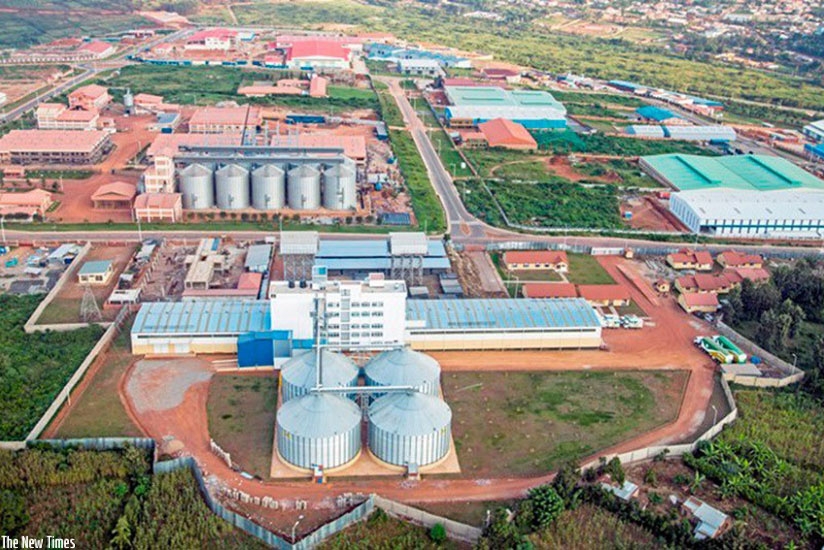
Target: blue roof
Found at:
x=374, y=264
x=352, y=251
x=217, y=317
x=95, y=266
x=507, y=313
x=655, y=113
x=625, y=84
x=817, y=150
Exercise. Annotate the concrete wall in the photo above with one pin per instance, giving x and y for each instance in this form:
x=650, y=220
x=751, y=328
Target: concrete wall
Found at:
x=454, y=529
x=791, y=374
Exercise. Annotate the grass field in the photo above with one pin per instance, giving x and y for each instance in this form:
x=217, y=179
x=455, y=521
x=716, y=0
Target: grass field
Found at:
x=381, y=532
x=209, y=85
x=241, y=411
x=22, y=29
x=588, y=527
x=471, y=512
x=584, y=269
x=99, y=412
x=513, y=423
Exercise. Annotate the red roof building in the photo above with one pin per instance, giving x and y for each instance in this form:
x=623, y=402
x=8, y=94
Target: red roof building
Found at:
x=688, y=259
x=53, y=146
x=162, y=207
x=317, y=87
x=549, y=290
x=731, y=258
x=754, y=274
x=353, y=147
x=28, y=203
x=91, y=98
x=555, y=260
x=605, y=295
x=224, y=120
x=117, y=195
x=704, y=283
x=250, y=280
x=98, y=49
x=501, y=132
x=318, y=54
x=212, y=39
x=698, y=303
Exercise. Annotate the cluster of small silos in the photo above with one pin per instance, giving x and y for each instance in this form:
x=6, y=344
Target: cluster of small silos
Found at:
x=270, y=187
x=405, y=427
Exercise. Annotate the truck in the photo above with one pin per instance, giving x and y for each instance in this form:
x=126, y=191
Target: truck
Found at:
x=726, y=343
x=714, y=350
x=632, y=321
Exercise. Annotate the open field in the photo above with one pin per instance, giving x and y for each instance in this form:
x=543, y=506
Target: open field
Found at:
x=34, y=367
x=517, y=423
x=588, y=527
x=546, y=204
x=241, y=410
x=99, y=412
x=380, y=531
x=585, y=270
x=209, y=85
x=66, y=306
x=471, y=512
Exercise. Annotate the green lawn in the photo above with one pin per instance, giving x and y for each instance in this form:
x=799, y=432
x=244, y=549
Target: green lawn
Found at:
x=525, y=424
x=584, y=269
x=450, y=157
x=99, y=412
x=382, y=532
x=241, y=410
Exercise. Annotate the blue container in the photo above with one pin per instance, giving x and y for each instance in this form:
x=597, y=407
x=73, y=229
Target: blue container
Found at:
x=378, y=186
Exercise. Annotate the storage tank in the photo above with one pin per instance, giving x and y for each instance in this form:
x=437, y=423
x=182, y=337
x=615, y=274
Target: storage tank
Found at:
x=268, y=187
x=404, y=367
x=303, y=188
x=340, y=187
x=409, y=428
x=320, y=429
x=197, y=187
x=232, y=187
x=298, y=374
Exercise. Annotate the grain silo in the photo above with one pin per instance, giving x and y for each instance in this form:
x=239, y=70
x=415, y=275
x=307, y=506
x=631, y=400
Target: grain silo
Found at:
x=404, y=367
x=303, y=188
x=319, y=429
x=298, y=375
x=197, y=187
x=409, y=428
x=232, y=187
x=268, y=187
x=340, y=187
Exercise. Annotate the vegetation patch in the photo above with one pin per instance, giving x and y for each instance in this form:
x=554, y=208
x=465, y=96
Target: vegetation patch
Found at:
x=589, y=527
x=241, y=411
x=382, y=532
x=425, y=202
x=34, y=367
x=519, y=423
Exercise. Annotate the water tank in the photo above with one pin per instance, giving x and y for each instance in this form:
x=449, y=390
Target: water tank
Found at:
x=319, y=429
x=298, y=374
x=303, y=188
x=404, y=367
x=232, y=187
x=340, y=187
x=268, y=187
x=409, y=428
x=128, y=101
x=197, y=187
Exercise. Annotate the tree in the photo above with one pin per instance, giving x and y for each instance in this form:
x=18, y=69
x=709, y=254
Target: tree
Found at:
x=437, y=533
x=733, y=307
x=566, y=483
x=502, y=534
x=796, y=314
x=615, y=471
x=13, y=514
x=122, y=534
x=547, y=505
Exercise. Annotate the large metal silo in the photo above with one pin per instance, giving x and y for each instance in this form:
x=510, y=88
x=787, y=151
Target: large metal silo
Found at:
x=268, y=187
x=298, y=375
x=409, y=428
x=197, y=187
x=340, y=187
x=303, y=188
x=232, y=187
x=404, y=367
x=319, y=429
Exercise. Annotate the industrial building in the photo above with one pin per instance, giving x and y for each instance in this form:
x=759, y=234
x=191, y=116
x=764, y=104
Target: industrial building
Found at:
x=420, y=67
x=266, y=178
x=89, y=98
x=747, y=195
x=158, y=207
x=488, y=324
x=658, y=115
x=715, y=133
x=96, y=273
x=225, y=120
x=316, y=54
x=56, y=116
x=197, y=326
x=500, y=132
x=472, y=105
x=395, y=54
x=54, y=147
x=35, y=202
x=814, y=131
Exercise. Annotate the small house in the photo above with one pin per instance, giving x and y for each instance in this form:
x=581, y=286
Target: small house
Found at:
x=710, y=522
x=96, y=272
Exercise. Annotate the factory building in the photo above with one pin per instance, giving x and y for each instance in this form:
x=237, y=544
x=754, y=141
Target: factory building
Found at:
x=316, y=54
x=159, y=207
x=487, y=324
x=533, y=109
x=420, y=67
x=54, y=147
x=225, y=120
x=814, y=131
x=56, y=116
x=650, y=113
x=89, y=98
x=714, y=133
x=746, y=195
x=357, y=314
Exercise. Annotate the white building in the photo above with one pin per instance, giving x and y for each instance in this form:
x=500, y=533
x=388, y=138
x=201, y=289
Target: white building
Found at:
x=362, y=314
x=795, y=214
x=420, y=67
x=814, y=131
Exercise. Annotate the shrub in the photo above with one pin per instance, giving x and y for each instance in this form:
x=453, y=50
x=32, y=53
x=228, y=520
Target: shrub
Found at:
x=547, y=505
x=437, y=533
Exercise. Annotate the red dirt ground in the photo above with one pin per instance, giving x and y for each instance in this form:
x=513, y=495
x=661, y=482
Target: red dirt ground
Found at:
x=651, y=215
